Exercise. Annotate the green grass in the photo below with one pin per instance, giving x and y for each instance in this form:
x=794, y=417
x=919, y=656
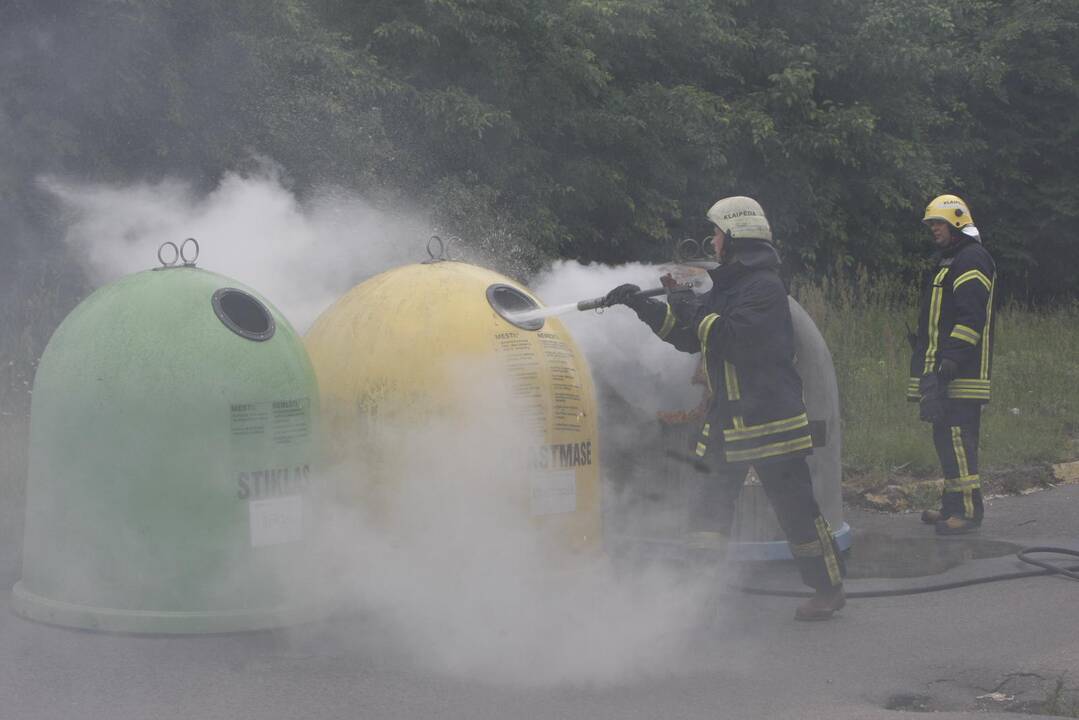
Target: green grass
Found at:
x=1034, y=414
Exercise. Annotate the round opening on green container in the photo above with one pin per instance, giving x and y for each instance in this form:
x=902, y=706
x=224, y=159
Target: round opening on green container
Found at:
x=243, y=314
x=514, y=306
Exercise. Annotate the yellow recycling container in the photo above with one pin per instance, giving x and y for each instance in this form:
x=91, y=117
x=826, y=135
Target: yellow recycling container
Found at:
x=429, y=346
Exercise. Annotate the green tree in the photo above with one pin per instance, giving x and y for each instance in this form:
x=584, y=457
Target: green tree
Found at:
x=1023, y=177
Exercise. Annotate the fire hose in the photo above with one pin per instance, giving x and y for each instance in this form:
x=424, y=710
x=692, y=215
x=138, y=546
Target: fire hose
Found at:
x=1046, y=568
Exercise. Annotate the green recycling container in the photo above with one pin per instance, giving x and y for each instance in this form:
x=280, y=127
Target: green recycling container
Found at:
x=173, y=445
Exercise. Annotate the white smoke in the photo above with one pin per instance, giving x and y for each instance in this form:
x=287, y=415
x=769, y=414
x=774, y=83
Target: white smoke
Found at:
x=454, y=568
x=637, y=376
x=621, y=349
x=301, y=255
x=459, y=571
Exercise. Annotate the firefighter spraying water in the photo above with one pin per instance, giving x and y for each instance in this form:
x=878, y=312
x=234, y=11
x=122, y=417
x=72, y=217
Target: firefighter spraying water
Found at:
x=755, y=414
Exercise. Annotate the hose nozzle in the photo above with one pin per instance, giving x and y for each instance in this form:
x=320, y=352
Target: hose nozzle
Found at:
x=601, y=302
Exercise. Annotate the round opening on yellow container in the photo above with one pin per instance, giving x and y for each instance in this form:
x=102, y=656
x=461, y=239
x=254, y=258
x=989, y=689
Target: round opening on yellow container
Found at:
x=514, y=306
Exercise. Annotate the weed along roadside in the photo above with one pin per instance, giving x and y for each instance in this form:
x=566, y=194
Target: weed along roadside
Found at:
x=906, y=494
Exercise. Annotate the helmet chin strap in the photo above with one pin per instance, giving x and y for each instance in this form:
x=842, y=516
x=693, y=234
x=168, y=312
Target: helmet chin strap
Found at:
x=751, y=252
x=955, y=236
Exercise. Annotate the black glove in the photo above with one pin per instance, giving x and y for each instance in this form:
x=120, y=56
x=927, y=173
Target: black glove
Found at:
x=948, y=370
x=622, y=295
x=934, y=402
x=683, y=302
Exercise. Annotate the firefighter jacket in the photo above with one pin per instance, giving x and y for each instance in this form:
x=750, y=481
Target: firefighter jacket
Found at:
x=742, y=327
x=955, y=321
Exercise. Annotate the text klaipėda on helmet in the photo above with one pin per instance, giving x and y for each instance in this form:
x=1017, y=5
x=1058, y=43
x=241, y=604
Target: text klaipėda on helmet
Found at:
x=741, y=217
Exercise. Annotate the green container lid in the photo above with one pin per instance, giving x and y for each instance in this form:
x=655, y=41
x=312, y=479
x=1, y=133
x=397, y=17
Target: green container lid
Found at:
x=172, y=453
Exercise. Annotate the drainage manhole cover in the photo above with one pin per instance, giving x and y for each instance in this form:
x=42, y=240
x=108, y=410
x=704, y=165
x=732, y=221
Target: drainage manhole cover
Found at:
x=875, y=555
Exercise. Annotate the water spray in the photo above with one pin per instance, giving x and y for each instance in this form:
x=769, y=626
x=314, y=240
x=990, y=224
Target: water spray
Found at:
x=525, y=312
x=538, y=314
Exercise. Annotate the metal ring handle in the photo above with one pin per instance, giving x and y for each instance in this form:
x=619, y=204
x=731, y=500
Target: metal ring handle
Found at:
x=451, y=242
x=688, y=249
x=183, y=251
x=441, y=248
x=175, y=254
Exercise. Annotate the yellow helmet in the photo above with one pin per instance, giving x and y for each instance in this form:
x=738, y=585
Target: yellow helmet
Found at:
x=949, y=208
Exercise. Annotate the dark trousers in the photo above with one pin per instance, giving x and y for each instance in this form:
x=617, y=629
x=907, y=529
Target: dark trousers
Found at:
x=956, y=441
x=789, y=488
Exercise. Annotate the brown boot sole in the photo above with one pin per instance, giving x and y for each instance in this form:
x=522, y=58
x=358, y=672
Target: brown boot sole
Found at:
x=969, y=527
x=815, y=615
x=818, y=615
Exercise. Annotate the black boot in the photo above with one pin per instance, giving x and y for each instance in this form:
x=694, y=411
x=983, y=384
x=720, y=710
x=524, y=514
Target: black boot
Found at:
x=932, y=517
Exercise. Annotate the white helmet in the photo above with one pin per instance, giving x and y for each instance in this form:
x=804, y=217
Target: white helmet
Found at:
x=741, y=217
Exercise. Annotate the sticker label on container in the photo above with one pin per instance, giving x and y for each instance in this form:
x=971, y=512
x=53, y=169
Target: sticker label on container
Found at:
x=283, y=422
x=276, y=521
x=545, y=385
x=522, y=364
x=554, y=492
x=565, y=383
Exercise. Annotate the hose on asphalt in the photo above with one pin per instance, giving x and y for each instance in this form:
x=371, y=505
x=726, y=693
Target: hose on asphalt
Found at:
x=1045, y=568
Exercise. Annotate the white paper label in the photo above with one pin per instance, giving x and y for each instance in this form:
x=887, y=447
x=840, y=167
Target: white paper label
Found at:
x=554, y=492
x=276, y=521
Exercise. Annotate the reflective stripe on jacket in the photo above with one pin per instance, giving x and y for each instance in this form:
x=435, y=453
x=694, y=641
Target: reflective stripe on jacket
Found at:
x=742, y=328
x=955, y=321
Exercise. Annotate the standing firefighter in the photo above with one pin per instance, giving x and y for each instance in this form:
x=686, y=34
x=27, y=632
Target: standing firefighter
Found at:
x=755, y=415
x=950, y=363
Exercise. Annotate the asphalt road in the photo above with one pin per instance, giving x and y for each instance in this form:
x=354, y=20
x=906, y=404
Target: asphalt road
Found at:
x=746, y=657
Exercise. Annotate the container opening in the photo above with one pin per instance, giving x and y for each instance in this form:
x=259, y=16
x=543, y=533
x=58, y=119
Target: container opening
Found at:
x=514, y=306
x=243, y=314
